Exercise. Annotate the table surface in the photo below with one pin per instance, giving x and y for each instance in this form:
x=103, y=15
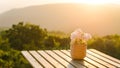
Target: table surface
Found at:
x=62, y=59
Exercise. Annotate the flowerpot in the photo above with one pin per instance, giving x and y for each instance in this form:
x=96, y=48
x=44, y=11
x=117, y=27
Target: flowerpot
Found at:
x=78, y=51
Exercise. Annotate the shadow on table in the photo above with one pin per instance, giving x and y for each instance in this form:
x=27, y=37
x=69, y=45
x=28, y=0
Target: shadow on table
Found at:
x=76, y=63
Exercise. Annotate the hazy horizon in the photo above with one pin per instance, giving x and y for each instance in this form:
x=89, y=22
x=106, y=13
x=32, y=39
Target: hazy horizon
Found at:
x=6, y=5
x=98, y=19
x=94, y=16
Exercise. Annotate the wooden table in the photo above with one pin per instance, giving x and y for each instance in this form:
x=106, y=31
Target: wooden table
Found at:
x=62, y=59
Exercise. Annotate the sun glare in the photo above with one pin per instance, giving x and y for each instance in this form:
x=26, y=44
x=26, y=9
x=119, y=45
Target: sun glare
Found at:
x=93, y=2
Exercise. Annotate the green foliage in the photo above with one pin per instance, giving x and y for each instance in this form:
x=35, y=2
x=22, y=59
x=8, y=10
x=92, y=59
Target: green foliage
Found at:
x=20, y=35
x=58, y=34
x=32, y=37
x=108, y=44
x=4, y=45
x=12, y=59
x=26, y=37
x=55, y=42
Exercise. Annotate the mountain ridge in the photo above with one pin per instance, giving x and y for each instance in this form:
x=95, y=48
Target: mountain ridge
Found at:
x=99, y=20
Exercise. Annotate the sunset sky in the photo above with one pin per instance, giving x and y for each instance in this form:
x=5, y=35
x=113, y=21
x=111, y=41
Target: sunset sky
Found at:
x=6, y=5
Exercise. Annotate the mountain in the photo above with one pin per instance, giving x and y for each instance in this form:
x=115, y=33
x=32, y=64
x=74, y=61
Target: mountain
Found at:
x=95, y=19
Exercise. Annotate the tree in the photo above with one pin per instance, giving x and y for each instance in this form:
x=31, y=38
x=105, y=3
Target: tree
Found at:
x=13, y=59
x=25, y=34
x=108, y=44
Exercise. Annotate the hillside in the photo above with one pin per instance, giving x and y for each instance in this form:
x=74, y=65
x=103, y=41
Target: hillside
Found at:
x=100, y=20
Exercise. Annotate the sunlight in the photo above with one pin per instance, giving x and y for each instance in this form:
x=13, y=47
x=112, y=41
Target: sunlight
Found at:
x=93, y=2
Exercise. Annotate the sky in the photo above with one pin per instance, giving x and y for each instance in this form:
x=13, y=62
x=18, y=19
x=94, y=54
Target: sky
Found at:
x=6, y=5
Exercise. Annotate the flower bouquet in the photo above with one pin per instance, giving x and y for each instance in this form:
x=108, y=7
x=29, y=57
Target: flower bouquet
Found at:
x=78, y=44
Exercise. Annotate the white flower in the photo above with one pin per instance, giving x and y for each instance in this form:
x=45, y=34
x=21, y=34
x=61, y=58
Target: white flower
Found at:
x=87, y=36
x=76, y=34
x=80, y=35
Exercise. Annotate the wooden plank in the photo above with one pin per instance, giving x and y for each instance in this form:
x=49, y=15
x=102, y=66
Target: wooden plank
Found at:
x=32, y=61
x=65, y=57
x=94, y=63
x=105, y=55
x=100, y=61
x=62, y=58
x=59, y=59
x=79, y=61
x=104, y=59
x=86, y=59
x=51, y=60
x=41, y=59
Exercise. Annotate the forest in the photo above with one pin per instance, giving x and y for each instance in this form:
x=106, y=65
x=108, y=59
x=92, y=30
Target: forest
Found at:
x=28, y=36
